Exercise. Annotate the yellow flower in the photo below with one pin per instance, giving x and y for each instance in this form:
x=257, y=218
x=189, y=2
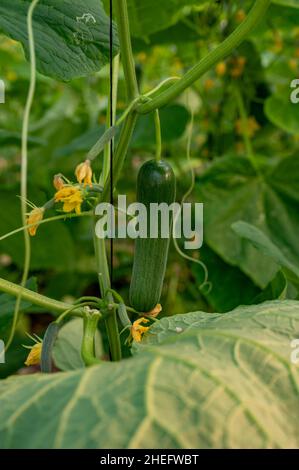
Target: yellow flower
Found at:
x=251, y=127
x=155, y=311
x=83, y=172
x=238, y=65
x=293, y=64
x=34, y=356
x=209, y=84
x=35, y=216
x=58, y=182
x=71, y=198
x=240, y=16
x=137, y=330
x=221, y=69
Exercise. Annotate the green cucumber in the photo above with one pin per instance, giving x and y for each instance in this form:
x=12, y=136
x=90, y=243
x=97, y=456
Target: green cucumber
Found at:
x=155, y=184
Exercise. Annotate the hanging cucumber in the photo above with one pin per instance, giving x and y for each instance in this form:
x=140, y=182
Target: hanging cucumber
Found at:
x=155, y=184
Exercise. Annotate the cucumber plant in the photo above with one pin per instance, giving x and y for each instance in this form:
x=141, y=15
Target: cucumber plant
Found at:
x=156, y=180
x=199, y=360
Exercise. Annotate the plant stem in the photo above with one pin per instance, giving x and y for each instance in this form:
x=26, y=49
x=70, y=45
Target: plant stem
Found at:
x=54, y=306
x=244, y=126
x=219, y=53
x=122, y=19
x=88, y=343
x=106, y=160
x=158, y=136
x=104, y=282
x=45, y=221
x=121, y=151
x=24, y=166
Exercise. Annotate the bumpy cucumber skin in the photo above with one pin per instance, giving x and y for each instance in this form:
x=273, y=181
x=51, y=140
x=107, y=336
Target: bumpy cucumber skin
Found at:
x=155, y=184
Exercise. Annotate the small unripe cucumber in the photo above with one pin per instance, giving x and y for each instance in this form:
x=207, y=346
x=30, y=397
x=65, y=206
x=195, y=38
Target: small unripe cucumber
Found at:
x=155, y=184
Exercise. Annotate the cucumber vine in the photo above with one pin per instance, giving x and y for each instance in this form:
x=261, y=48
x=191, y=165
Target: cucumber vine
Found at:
x=92, y=310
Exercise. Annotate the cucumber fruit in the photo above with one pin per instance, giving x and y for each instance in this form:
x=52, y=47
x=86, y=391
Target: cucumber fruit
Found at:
x=155, y=184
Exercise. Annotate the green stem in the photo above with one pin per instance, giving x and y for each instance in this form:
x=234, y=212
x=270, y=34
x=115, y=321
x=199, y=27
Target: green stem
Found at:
x=219, y=53
x=121, y=151
x=88, y=343
x=106, y=160
x=24, y=166
x=105, y=285
x=244, y=126
x=122, y=19
x=45, y=221
x=52, y=305
x=158, y=136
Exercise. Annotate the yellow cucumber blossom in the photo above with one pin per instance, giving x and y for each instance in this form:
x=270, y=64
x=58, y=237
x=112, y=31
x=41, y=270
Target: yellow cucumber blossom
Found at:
x=71, y=198
x=155, y=311
x=34, y=217
x=83, y=173
x=137, y=330
x=58, y=182
x=250, y=128
x=221, y=69
x=34, y=357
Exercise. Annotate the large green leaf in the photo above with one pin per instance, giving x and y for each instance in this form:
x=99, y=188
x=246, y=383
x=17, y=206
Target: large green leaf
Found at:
x=174, y=119
x=229, y=286
x=232, y=190
x=287, y=3
x=266, y=246
x=149, y=16
x=282, y=112
x=72, y=37
x=199, y=380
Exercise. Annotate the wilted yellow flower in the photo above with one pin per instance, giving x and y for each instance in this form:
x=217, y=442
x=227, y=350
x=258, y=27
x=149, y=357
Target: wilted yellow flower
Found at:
x=83, y=173
x=209, y=84
x=34, y=357
x=35, y=216
x=71, y=197
x=278, y=42
x=221, y=69
x=238, y=65
x=142, y=57
x=240, y=16
x=137, y=330
x=251, y=126
x=155, y=311
x=58, y=182
x=293, y=64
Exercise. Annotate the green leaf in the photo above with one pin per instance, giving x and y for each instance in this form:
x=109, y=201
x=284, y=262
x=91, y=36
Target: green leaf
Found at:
x=282, y=112
x=276, y=289
x=66, y=352
x=229, y=285
x=267, y=247
x=149, y=16
x=174, y=119
x=287, y=3
x=71, y=37
x=14, y=138
x=231, y=190
x=199, y=380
